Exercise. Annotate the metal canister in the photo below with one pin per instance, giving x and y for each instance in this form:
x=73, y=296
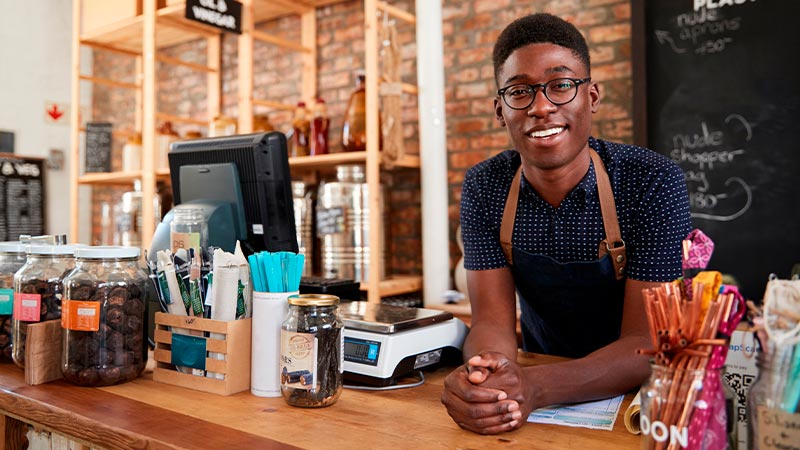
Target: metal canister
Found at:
x=303, y=222
x=343, y=225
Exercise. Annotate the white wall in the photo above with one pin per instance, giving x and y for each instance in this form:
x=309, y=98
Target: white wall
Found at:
x=35, y=45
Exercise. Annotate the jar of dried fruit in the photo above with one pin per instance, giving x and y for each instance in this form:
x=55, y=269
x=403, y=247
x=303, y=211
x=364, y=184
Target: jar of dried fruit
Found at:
x=103, y=317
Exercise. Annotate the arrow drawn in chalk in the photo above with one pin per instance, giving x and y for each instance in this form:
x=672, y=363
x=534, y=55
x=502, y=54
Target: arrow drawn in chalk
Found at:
x=744, y=122
x=663, y=36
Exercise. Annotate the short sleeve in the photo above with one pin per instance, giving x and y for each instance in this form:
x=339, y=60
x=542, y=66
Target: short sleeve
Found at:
x=480, y=228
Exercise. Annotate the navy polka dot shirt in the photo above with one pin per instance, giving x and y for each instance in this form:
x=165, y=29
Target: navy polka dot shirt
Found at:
x=652, y=207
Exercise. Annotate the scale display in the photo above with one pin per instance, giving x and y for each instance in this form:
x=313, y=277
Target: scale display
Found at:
x=361, y=351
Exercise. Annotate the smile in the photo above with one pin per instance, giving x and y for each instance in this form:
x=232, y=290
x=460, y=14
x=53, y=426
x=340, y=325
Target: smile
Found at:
x=546, y=133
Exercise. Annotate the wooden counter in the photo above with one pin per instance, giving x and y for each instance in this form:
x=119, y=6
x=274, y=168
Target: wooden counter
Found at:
x=146, y=414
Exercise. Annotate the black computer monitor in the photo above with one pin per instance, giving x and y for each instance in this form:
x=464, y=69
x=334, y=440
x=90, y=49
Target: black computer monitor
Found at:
x=206, y=170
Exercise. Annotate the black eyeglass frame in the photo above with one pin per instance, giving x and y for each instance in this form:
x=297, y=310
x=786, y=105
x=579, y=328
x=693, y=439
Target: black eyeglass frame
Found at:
x=543, y=87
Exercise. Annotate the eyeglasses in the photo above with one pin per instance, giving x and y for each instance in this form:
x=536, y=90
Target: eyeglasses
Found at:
x=559, y=92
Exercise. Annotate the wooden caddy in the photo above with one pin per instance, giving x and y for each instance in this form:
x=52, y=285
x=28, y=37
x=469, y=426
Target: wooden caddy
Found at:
x=229, y=339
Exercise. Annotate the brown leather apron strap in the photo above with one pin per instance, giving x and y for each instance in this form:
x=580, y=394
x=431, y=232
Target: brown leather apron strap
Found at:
x=607, y=208
x=509, y=215
x=613, y=242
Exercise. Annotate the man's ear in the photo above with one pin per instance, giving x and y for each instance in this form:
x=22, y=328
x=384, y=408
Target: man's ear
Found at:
x=498, y=112
x=594, y=96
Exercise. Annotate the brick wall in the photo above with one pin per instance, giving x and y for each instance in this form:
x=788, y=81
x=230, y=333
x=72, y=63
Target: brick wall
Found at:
x=470, y=28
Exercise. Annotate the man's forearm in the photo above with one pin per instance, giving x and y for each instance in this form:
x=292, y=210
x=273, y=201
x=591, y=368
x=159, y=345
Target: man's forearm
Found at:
x=611, y=370
x=486, y=337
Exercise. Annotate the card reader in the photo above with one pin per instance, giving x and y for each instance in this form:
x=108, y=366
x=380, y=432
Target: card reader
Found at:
x=383, y=343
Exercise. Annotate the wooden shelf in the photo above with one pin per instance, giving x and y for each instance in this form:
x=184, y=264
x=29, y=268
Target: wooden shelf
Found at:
x=397, y=284
x=117, y=178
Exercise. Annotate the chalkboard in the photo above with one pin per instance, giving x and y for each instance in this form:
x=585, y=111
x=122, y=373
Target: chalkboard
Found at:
x=723, y=101
x=22, y=189
x=98, y=147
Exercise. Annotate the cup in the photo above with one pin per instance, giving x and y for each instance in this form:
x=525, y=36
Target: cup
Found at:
x=269, y=310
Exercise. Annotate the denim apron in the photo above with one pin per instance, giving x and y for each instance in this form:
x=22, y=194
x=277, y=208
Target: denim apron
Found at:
x=569, y=309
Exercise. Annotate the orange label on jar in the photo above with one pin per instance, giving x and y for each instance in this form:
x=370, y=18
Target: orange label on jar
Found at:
x=80, y=316
x=27, y=307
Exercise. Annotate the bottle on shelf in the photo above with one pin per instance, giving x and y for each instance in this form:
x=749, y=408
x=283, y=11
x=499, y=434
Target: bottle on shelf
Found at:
x=354, y=129
x=319, y=128
x=222, y=126
x=300, y=127
x=132, y=154
x=188, y=229
x=261, y=123
x=164, y=136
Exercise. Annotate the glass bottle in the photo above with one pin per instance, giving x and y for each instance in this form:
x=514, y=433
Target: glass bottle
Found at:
x=164, y=137
x=261, y=123
x=132, y=154
x=354, y=129
x=772, y=422
x=188, y=229
x=319, y=128
x=12, y=258
x=222, y=126
x=312, y=342
x=37, y=291
x=301, y=128
x=104, y=343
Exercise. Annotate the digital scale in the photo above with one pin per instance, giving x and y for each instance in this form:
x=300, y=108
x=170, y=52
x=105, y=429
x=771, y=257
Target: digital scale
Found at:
x=383, y=343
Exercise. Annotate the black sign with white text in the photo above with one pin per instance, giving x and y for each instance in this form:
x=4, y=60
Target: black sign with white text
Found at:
x=223, y=14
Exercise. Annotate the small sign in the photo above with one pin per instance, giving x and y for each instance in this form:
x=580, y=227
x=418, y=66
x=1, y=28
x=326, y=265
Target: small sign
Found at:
x=57, y=113
x=330, y=220
x=98, y=147
x=223, y=14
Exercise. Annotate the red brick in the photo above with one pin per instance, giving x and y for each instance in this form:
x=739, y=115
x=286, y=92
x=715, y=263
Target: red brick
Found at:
x=472, y=90
x=482, y=6
x=610, y=33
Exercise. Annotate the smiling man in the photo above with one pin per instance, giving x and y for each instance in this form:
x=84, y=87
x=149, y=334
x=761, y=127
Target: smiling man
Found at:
x=533, y=228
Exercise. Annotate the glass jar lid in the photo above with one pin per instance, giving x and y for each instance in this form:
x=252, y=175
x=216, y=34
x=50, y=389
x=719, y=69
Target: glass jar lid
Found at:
x=12, y=247
x=313, y=300
x=51, y=249
x=107, y=252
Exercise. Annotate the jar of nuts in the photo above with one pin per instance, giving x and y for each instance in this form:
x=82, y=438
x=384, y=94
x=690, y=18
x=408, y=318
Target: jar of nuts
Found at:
x=12, y=258
x=37, y=291
x=103, y=317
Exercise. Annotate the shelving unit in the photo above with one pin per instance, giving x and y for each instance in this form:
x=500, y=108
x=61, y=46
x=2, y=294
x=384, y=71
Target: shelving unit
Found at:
x=155, y=29
x=371, y=158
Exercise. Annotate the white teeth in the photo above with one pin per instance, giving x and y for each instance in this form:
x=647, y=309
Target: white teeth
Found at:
x=547, y=132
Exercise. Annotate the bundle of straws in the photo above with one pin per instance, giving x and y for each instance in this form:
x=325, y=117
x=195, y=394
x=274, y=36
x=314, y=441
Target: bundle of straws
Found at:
x=690, y=333
x=276, y=271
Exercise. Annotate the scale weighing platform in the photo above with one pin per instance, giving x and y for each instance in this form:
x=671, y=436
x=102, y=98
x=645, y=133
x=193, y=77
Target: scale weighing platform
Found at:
x=383, y=343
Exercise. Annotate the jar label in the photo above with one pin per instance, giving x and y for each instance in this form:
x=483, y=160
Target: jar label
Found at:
x=184, y=240
x=80, y=315
x=298, y=360
x=777, y=428
x=27, y=307
x=6, y=301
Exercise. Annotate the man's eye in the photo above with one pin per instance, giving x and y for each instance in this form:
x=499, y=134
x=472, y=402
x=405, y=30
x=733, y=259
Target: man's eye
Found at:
x=518, y=92
x=562, y=85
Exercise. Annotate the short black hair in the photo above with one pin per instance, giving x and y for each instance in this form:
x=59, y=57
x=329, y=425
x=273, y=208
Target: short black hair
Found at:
x=535, y=29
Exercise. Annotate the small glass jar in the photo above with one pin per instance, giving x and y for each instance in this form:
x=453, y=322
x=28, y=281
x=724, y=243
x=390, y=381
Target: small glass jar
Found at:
x=773, y=422
x=103, y=317
x=132, y=154
x=671, y=399
x=38, y=290
x=222, y=126
x=188, y=229
x=312, y=342
x=12, y=258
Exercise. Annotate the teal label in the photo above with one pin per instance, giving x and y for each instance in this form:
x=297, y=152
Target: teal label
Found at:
x=6, y=301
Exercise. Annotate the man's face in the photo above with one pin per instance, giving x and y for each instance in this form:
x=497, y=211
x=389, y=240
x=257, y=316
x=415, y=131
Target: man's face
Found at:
x=547, y=136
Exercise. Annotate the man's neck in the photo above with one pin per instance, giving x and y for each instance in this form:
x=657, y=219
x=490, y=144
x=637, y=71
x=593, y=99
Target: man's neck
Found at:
x=553, y=185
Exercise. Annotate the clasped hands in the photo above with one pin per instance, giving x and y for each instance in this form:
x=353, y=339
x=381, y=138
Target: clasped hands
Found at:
x=488, y=395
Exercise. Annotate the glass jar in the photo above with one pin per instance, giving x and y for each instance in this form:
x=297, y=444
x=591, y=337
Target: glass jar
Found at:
x=773, y=420
x=103, y=317
x=12, y=258
x=677, y=408
x=222, y=126
x=188, y=229
x=312, y=344
x=132, y=154
x=37, y=291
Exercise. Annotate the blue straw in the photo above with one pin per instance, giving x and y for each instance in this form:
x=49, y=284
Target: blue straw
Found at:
x=255, y=273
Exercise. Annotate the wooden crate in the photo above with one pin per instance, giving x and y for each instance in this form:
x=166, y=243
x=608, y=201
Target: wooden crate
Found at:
x=229, y=339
